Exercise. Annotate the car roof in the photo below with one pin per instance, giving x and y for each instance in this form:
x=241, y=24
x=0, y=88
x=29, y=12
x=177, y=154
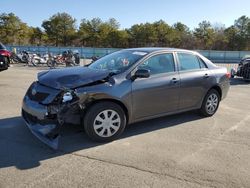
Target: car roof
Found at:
x=158, y=49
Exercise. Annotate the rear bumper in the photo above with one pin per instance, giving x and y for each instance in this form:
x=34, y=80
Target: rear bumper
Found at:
x=225, y=88
x=36, y=118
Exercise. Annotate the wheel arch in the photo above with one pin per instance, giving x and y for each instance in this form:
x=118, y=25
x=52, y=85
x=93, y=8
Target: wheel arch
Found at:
x=121, y=104
x=217, y=88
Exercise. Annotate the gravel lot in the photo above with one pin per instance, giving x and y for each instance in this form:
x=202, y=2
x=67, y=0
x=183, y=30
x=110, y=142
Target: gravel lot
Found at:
x=183, y=150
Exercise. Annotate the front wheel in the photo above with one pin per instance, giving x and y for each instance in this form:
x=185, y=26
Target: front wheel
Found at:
x=210, y=103
x=104, y=121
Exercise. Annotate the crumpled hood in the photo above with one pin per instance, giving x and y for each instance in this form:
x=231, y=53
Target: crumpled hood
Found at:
x=70, y=78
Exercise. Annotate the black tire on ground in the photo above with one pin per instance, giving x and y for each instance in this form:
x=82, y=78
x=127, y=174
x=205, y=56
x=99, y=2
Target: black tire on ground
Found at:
x=97, y=109
x=204, y=110
x=232, y=73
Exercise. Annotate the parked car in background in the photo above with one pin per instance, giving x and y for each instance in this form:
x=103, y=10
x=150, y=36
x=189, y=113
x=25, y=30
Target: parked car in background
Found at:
x=124, y=87
x=243, y=69
x=4, y=57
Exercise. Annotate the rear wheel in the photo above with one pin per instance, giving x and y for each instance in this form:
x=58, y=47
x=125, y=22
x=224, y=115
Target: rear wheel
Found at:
x=104, y=121
x=210, y=103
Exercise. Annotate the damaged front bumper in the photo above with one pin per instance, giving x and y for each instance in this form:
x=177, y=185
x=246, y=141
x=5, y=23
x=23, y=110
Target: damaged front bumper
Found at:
x=44, y=126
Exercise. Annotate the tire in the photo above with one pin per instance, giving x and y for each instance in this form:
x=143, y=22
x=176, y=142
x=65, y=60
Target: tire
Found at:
x=5, y=64
x=210, y=103
x=51, y=63
x=233, y=72
x=99, y=129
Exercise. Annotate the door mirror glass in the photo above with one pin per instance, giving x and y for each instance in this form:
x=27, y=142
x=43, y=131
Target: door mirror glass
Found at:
x=141, y=73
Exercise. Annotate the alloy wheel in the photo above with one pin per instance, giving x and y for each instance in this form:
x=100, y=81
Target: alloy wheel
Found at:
x=107, y=123
x=212, y=103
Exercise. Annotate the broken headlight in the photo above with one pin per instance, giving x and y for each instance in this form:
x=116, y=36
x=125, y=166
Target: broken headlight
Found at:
x=67, y=97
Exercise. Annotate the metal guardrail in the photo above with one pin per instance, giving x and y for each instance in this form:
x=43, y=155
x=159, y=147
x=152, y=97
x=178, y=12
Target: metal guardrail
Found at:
x=231, y=57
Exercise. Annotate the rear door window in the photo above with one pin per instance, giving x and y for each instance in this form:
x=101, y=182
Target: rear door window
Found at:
x=202, y=63
x=189, y=62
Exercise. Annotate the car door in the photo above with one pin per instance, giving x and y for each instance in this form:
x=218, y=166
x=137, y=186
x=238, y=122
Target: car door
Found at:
x=195, y=80
x=159, y=93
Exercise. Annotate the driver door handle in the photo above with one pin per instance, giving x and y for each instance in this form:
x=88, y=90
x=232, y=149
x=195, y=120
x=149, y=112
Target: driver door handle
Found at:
x=175, y=80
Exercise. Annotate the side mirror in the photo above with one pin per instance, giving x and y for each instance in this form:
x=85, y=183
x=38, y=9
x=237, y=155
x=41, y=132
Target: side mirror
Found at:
x=141, y=73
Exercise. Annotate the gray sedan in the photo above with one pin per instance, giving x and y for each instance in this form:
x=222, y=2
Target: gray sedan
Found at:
x=124, y=87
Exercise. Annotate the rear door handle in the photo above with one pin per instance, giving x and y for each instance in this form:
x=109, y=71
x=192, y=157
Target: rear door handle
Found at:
x=206, y=75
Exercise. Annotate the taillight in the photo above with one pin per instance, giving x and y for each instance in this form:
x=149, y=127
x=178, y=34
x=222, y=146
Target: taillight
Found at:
x=5, y=53
x=228, y=75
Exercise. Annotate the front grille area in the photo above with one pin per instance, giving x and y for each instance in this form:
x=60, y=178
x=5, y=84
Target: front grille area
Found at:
x=34, y=120
x=244, y=71
x=37, y=96
x=28, y=117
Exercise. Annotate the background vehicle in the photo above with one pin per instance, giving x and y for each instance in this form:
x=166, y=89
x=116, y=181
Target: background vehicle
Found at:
x=14, y=58
x=243, y=69
x=123, y=87
x=37, y=59
x=23, y=57
x=55, y=61
x=71, y=58
x=4, y=57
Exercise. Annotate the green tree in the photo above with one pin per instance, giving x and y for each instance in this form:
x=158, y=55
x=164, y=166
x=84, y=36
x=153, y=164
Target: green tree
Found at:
x=97, y=33
x=220, y=39
x=36, y=36
x=181, y=36
x=106, y=30
x=118, y=39
x=60, y=28
x=143, y=35
x=89, y=32
x=231, y=36
x=205, y=35
x=242, y=26
x=13, y=30
x=163, y=31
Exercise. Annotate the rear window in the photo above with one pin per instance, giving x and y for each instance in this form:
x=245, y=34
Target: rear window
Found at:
x=2, y=46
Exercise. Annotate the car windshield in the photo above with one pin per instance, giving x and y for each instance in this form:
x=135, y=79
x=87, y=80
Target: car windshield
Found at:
x=2, y=47
x=118, y=62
